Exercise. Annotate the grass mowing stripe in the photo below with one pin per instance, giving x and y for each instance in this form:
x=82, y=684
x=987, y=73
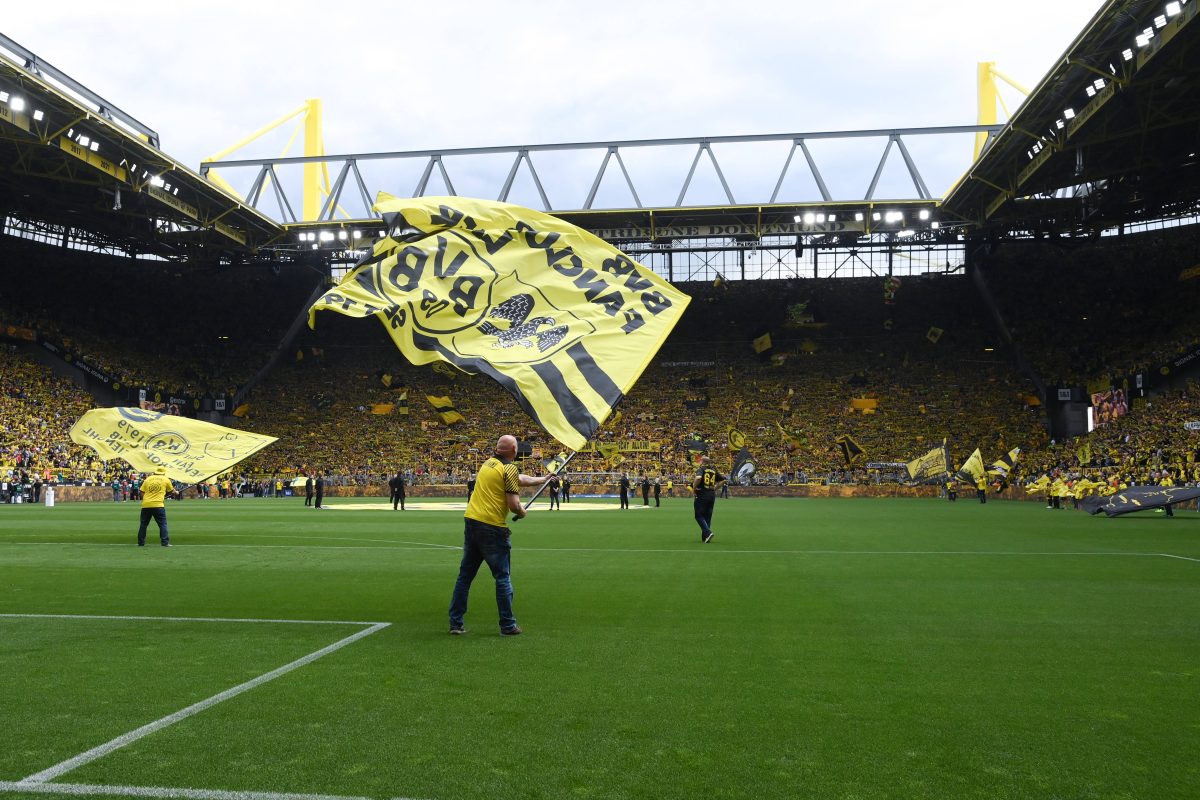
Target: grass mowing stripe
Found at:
x=192, y=619
x=714, y=550
x=84, y=789
x=149, y=728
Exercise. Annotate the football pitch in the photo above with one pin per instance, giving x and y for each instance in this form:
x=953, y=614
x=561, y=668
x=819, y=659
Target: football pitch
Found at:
x=814, y=649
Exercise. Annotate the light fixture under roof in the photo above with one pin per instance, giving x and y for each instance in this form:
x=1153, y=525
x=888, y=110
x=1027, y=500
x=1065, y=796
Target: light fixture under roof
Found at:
x=1069, y=113
x=1173, y=9
x=17, y=103
x=923, y=213
x=809, y=218
x=858, y=216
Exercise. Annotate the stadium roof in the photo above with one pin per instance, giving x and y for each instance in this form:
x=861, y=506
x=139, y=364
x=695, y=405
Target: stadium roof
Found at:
x=72, y=161
x=1109, y=136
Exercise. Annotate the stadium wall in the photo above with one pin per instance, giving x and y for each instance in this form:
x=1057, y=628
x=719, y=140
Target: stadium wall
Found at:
x=94, y=494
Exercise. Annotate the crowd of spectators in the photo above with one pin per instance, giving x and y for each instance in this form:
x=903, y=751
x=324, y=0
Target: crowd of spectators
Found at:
x=115, y=313
x=896, y=366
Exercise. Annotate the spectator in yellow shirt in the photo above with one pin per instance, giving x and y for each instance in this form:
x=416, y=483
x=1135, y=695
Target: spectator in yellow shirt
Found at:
x=154, y=496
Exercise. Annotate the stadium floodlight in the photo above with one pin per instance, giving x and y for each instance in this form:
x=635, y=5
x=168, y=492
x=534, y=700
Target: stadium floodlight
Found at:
x=1127, y=54
x=95, y=146
x=1098, y=83
x=858, y=216
x=1058, y=123
x=893, y=216
x=38, y=115
x=1090, y=91
x=315, y=246
x=326, y=236
x=356, y=235
x=1069, y=113
x=875, y=217
x=3, y=97
x=342, y=236
x=832, y=217
x=17, y=103
x=1173, y=9
x=820, y=219
x=1160, y=21
x=84, y=141
x=797, y=219
x=809, y=218
x=155, y=180
x=935, y=225
x=923, y=213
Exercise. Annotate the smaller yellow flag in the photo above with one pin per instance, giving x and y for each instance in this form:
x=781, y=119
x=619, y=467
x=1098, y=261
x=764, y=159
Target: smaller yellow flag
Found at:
x=188, y=449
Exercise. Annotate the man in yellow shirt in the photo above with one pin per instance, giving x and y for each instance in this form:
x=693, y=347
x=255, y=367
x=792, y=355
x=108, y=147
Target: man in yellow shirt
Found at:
x=154, y=495
x=486, y=536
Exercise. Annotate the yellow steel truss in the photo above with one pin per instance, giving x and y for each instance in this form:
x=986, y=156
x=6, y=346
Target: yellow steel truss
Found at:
x=316, y=174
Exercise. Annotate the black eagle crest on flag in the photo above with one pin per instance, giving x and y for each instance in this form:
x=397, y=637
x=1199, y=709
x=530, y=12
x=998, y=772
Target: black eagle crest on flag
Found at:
x=522, y=329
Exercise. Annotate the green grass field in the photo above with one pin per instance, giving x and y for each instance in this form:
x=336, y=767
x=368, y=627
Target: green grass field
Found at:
x=815, y=649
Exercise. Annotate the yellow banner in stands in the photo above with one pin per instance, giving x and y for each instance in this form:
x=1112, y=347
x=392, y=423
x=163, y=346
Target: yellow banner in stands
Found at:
x=560, y=318
x=190, y=450
x=445, y=409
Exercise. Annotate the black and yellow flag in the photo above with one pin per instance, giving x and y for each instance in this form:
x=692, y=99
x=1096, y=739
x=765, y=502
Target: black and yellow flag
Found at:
x=402, y=403
x=444, y=406
x=189, y=450
x=972, y=469
x=762, y=343
x=850, y=450
x=934, y=334
x=1002, y=466
x=386, y=379
x=737, y=439
x=934, y=465
x=560, y=318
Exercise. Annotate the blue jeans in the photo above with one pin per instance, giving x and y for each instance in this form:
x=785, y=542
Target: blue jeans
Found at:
x=160, y=516
x=704, y=512
x=482, y=543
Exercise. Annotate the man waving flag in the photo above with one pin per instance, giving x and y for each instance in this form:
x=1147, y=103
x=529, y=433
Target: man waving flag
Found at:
x=560, y=318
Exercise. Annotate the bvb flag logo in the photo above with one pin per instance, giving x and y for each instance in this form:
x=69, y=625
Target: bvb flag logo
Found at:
x=560, y=318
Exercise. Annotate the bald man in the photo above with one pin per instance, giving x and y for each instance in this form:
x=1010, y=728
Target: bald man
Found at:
x=486, y=536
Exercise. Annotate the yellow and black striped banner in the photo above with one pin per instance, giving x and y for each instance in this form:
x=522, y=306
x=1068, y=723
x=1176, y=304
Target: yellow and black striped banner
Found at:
x=560, y=318
x=445, y=409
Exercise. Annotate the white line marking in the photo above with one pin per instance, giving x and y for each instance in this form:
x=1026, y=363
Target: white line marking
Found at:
x=1183, y=558
x=102, y=750
x=193, y=619
x=79, y=789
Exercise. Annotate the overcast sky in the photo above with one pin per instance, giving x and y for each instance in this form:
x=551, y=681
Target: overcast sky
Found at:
x=402, y=76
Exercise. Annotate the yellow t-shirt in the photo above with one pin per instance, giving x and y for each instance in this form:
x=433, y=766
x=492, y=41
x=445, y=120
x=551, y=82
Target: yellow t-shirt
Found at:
x=154, y=491
x=489, y=502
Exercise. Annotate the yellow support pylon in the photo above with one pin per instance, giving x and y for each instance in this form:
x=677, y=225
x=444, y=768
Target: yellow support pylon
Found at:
x=314, y=145
x=989, y=98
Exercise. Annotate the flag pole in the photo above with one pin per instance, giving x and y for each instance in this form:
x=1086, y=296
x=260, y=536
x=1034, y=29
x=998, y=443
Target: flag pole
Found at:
x=542, y=488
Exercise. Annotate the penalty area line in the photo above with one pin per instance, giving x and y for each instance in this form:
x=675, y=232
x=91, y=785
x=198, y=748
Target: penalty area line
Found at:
x=86, y=789
x=50, y=773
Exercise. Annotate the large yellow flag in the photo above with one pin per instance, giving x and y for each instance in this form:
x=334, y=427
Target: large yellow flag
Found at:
x=560, y=318
x=191, y=451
